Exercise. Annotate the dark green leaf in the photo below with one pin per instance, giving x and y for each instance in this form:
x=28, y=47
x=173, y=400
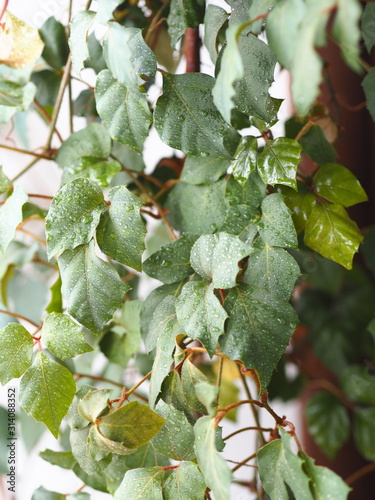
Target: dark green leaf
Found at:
x=337, y=184
x=176, y=438
x=314, y=142
x=328, y=422
x=94, y=169
x=367, y=25
x=46, y=391
x=358, y=384
x=91, y=287
x=62, y=459
x=250, y=193
x=214, y=20
x=47, y=83
x=364, y=432
x=330, y=232
x=277, y=163
x=16, y=351
x=200, y=313
x=123, y=109
x=73, y=216
x=184, y=14
x=203, y=170
x=216, y=256
x=245, y=161
x=197, y=209
x=276, y=226
x=187, y=119
x=63, y=337
x=185, y=482
x=299, y=203
x=272, y=269
x=119, y=348
x=242, y=220
x=31, y=210
x=172, y=262
x=368, y=85
x=141, y=484
x=11, y=216
x=96, y=60
x=214, y=469
x=79, y=27
x=56, y=48
x=258, y=329
x=121, y=231
x=128, y=57
x=190, y=377
x=85, y=105
x=55, y=303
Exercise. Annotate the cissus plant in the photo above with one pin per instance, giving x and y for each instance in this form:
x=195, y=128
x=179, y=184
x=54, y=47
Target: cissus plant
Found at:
x=240, y=226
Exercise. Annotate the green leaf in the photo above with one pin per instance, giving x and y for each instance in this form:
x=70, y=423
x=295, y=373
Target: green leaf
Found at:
x=214, y=469
x=346, y=30
x=31, y=210
x=299, y=203
x=272, y=269
x=16, y=351
x=251, y=193
x=240, y=11
x=11, y=216
x=63, y=337
x=128, y=57
x=184, y=14
x=364, y=431
x=81, y=449
x=123, y=109
x=367, y=25
x=79, y=27
x=172, y=262
x=190, y=377
x=56, y=48
x=200, y=313
x=328, y=422
x=208, y=396
x=5, y=183
x=46, y=391
x=358, y=384
x=91, y=287
x=95, y=169
x=242, y=221
x=185, y=482
x=337, y=184
x=63, y=459
x=133, y=425
x=282, y=471
x=203, y=170
x=105, y=10
x=176, y=438
x=214, y=20
x=257, y=9
x=55, y=303
x=141, y=484
x=93, y=141
x=216, y=256
x=172, y=394
x=42, y=494
x=121, y=231
x=119, y=349
x=47, y=83
x=330, y=232
x=245, y=161
x=258, y=329
x=368, y=85
x=96, y=60
x=186, y=117
x=324, y=483
x=231, y=70
x=276, y=226
x=277, y=163
x=73, y=216
x=197, y=209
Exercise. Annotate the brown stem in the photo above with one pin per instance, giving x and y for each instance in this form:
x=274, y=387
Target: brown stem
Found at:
x=32, y=235
x=254, y=410
x=304, y=130
x=46, y=117
x=130, y=391
x=251, y=428
x=24, y=170
x=244, y=462
x=44, y=196
x=45, y=263
x=99, y=379
x=40, y=156
x=19, y=316
x=359, y=473
x=192, y=50
x=151, y=214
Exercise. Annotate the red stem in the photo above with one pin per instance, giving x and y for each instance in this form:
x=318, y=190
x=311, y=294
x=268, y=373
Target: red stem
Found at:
x=3, y=7
x=192, y=50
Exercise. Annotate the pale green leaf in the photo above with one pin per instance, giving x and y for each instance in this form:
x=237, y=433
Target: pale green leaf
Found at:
x=184, y=14
x=186, y=482
x=141, y=484
x=208, y=396
x=121, y=231
x=176, y=438
x=259, y=8
x=133, y=424
x=93, y=404
x=105, y=10
x=190, y=377
x=337, y=184
x=73, y=216
x=46, y=391
x=346, y=30
x=14, y=98
x=63, y=337
x=42, y=494
x=214, y=469
x=63, y=459
x=272, y=269
x=81, y=449
x=276, y=226
x=95, y=169
x=16, y=351
x=5, y=182
x=214, y=20
x=200, y=313
x=91, y=287
x=79, y=27
x=172, y=262
x=55, y=303
x=367, y=25
x=328, y=422
x=203, y=170
x=186, y=117
x=128, y=57
x=258, y=329
x=330, y=232
x=124, y=110
x=364, y=432
x=245, y=161
x=216, y=256
x=11, y=216
x=277, y=163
